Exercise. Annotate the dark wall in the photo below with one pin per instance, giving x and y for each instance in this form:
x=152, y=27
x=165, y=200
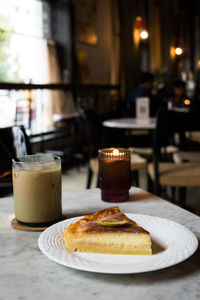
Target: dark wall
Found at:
x=60, y=13
x=130, y=55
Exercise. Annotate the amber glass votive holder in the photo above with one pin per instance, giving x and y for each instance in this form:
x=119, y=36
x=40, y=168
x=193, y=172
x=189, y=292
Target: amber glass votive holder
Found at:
x=114, y=174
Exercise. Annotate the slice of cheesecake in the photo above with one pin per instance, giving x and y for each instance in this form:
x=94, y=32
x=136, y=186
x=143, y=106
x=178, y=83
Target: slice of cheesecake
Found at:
x=107, y=231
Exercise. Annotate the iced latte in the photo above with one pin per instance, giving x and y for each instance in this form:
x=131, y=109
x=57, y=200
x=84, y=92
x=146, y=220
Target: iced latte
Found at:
x=37, y=188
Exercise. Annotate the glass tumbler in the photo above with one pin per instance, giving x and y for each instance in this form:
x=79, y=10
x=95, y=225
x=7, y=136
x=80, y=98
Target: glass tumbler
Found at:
x=37, y=189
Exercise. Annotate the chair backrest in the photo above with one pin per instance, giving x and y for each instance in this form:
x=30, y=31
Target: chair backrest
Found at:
x=17, y=143
x=170, y=122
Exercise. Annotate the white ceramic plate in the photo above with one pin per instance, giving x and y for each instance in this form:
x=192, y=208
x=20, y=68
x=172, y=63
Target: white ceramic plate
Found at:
x=172, y=243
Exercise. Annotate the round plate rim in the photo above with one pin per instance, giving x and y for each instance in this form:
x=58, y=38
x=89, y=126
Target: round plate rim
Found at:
x=98, y=270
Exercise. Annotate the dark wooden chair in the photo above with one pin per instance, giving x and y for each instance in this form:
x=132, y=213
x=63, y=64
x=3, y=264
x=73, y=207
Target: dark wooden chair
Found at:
x=165, y=173
x=13, y=142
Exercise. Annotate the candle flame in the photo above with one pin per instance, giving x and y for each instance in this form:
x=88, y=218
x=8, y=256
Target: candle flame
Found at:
x=115, y=152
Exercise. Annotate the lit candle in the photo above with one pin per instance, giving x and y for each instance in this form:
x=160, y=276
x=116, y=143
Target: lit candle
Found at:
x=115, y=152
x=114, y=174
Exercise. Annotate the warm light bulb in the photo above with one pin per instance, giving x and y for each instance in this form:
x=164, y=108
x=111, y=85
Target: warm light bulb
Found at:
x=115, y=152
x=144, y=34
x=139, y=19
x=178, y=51
x=187, y=102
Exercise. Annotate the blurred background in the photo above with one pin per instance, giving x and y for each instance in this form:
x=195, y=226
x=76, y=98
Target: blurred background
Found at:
x=102, y=43
x=68, y=65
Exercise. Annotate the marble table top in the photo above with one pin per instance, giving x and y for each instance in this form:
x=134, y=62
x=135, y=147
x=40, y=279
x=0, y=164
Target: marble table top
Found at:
x=25, y=273
x=130, y=123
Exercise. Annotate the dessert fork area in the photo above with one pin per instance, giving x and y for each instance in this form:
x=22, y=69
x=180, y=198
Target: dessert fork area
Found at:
x=26, y=273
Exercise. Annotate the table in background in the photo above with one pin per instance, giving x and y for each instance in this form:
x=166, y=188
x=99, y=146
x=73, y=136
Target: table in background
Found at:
x=128, y=128
x=130, y=123
x=27, y=274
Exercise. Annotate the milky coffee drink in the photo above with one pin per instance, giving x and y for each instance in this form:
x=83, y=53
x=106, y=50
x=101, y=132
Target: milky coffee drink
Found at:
x=37, y=188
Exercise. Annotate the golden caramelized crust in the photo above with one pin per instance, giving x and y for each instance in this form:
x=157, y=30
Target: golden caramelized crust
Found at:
x=107, y=231
x=92, y=223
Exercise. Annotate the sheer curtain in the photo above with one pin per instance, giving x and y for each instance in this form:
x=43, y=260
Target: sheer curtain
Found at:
x=55, y=101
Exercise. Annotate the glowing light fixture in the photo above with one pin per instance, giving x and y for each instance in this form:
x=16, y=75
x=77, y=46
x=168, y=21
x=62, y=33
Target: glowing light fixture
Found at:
x=144, y=34
x=178, y=51
x=139, y=19
x=187, y=102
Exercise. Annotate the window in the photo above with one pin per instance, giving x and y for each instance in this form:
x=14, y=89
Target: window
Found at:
x=23, y=58
x=22, y=42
